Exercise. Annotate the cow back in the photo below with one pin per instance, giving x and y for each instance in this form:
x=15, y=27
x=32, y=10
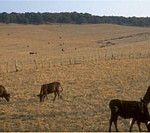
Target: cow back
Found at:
x=50, y=88
x=130, y=109
x=133, y=109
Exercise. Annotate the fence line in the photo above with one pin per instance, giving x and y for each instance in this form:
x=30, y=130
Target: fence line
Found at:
x=18, y=65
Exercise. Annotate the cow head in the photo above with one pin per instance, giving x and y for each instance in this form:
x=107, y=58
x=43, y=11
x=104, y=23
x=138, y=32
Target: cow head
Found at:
x=146, y=98
x=7, y=97
x=41, y=97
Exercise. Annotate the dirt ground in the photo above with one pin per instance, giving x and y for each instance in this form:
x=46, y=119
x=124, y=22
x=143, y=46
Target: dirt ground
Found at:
x=88, y=87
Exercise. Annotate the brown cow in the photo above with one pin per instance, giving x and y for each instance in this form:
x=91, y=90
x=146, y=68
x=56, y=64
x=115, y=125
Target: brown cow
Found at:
x=129, y=109
x=145, y=100
x=53, y=87
x=3, y=93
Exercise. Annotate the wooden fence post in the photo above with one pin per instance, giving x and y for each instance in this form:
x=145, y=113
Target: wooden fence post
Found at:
x=35, y=64
x=74, y=60
x=7, y=67
x=83, y=60
x=16, y=66
x=49, y=63
x=106, y=56
x=0, y=69
x=22, y=65
x=70, y=62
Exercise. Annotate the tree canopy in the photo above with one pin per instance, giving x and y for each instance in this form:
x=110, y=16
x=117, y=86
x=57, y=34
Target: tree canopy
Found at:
x=72, y=17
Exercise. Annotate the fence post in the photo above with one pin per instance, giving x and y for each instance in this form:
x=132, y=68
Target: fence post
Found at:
x=99, y=57
x=22, y=65
x=0, y=69
x=49, y=63
x=16, y=66
x=96, y=60
x=7, y=67
x=112, y=56
x=106, y=56
x=70, y=61
x=42, y=64
x=74, y=60
x=35, y=63
x=83, y=59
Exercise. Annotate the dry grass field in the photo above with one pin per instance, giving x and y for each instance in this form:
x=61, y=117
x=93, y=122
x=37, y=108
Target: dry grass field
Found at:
x=88, y=86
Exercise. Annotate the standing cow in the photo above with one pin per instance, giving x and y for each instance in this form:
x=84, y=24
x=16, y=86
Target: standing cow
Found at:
x=136, y=110
x=53, y=87
x=3, y=93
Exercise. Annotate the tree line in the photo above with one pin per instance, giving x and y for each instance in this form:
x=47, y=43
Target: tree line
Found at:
x=72, y=17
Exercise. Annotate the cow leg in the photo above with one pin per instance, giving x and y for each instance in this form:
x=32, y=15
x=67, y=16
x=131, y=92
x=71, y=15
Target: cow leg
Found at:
x=110, y=123
x=138, y=123
x=113, y=118
x=115, y=122
x=55, y=93
x=132, y=123
x=1, y=98
x=46, y=97
x=58, y=94
x=43, y=98
x=147, y=125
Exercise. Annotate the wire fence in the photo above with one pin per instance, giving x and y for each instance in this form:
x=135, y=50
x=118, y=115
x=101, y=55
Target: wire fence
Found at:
x=18, y=65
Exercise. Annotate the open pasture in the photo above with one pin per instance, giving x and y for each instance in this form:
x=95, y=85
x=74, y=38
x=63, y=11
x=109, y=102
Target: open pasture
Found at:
x=88, y=87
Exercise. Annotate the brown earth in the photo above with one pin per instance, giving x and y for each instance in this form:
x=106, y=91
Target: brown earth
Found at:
x=88, y=86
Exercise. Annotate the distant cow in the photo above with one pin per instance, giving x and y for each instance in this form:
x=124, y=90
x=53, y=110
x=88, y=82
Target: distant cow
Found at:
x=53, y=87
x=3, y=93
x=31, y=52
x=129, y=109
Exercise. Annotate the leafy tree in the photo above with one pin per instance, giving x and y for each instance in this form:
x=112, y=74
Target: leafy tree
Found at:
x=73, y=17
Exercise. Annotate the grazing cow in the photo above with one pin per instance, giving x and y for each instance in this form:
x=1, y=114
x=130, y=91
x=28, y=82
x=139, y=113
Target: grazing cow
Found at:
x=129, y=109
x=3, y=93
x=146, y=98
x=50, y=88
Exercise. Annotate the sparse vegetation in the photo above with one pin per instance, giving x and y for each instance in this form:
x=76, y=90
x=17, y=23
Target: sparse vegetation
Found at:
x=88, y=87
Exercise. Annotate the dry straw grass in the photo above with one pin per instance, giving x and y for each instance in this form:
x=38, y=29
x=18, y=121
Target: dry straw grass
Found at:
x=88, y=87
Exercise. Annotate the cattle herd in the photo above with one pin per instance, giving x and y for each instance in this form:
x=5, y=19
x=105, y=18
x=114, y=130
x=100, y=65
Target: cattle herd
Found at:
x=136, y=110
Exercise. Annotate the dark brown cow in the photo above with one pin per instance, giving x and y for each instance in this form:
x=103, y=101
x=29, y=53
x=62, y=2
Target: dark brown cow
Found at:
x=3, y=93
x=129, y=109
x=53, y=87
x=145, y=100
